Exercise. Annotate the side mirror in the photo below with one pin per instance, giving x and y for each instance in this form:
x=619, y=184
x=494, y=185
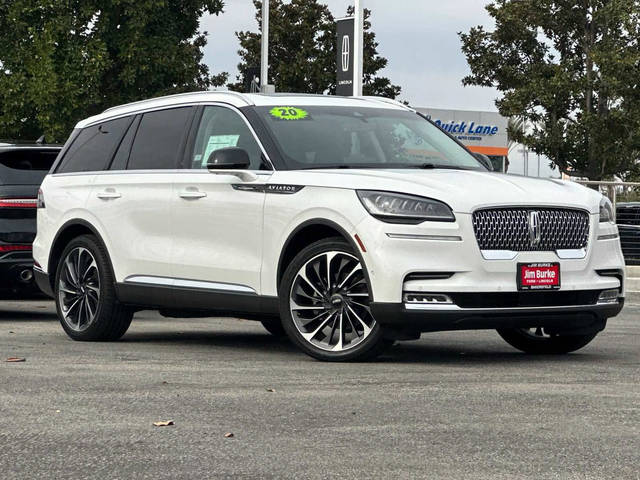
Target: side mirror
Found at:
x=231, y=158
x=484, y=160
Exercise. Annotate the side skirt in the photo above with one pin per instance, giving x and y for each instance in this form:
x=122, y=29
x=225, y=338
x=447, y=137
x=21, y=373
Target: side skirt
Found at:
x=195, y=302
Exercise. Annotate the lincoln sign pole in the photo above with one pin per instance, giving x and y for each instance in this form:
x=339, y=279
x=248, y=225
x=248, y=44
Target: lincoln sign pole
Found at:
x=264, y=57
x=349, y=49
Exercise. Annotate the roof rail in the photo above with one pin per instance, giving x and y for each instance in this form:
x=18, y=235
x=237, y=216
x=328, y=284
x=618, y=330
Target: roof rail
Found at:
x=386, y=100
x=140, y=102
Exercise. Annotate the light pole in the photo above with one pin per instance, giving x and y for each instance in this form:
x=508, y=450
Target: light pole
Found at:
x=358, y=47
x=525, y=150
x=264, y=57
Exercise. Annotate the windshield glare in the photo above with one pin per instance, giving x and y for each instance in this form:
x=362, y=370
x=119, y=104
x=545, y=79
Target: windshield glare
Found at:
x=348, y=137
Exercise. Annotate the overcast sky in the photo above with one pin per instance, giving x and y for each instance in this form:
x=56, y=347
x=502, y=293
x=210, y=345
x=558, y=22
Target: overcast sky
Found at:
x=418, y=37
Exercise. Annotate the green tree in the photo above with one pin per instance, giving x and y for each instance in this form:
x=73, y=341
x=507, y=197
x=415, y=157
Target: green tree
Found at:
x=302, y=50
x=63, y=60
x=571, y=69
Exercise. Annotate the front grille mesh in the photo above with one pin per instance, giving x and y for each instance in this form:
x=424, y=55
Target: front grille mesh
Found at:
x=508, y=229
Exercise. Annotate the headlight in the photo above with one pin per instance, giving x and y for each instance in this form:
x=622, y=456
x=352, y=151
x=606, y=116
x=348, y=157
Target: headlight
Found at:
x=606, y=210
x=399, y=208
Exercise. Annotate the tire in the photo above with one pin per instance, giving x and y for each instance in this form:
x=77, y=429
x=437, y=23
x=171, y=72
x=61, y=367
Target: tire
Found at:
x=334, y=323
x=536, y=341
x=274, y=327
x=85, y=293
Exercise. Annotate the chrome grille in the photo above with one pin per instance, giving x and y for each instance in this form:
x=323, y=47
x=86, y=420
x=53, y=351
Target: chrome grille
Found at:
x=508, y=229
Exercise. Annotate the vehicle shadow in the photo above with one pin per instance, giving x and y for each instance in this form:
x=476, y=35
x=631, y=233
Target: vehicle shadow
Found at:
x=472, y=352
x=254, y=342
x=477, y=353
x=24, y=316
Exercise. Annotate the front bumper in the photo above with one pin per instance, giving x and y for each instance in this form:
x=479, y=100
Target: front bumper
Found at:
x=572, y=318
x=441, y=257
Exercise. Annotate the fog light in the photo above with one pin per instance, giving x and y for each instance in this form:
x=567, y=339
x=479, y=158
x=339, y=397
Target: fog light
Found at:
x=427, y=298
x=608, y=296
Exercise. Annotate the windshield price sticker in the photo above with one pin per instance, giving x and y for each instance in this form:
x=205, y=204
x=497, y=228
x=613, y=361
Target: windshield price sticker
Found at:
x=288, y=113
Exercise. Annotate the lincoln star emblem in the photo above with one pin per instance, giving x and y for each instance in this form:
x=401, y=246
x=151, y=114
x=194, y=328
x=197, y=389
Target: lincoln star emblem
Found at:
x=535, y=229
x=345, y=53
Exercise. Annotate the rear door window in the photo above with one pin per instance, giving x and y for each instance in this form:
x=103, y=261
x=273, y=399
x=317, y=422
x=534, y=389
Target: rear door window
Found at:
x=160, y=139
x=94, y=146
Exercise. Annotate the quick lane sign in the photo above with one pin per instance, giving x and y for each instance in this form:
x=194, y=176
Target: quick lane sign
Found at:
x=345, y=54
x=463, y=127
x=480, y=130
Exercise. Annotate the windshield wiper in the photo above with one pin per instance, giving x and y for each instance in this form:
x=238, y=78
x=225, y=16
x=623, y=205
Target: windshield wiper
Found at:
x=329, y=167
x=430, y=166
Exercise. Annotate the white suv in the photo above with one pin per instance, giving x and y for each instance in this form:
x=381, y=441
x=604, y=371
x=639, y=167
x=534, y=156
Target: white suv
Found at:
x=346, y=223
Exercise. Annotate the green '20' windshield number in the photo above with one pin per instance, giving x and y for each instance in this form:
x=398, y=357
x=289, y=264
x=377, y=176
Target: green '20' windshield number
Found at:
x=288, y=113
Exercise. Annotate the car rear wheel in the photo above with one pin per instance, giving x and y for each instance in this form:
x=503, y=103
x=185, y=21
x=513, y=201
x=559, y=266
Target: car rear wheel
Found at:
x=85, y=293
x=538, y=341
x=324, y=304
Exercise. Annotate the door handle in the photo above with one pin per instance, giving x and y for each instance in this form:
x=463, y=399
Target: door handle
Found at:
x=108, y=194
x=192, y=194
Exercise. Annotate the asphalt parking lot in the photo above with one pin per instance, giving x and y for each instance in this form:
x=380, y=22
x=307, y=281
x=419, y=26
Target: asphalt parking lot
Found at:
x=451, y=405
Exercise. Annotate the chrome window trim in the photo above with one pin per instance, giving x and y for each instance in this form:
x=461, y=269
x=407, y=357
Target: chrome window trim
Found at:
x=141, y=111
x=265, y=173
x=185, y=283
x=170, y=107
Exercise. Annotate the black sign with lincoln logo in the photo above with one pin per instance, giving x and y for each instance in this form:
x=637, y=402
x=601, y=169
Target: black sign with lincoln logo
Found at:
x=345, y=28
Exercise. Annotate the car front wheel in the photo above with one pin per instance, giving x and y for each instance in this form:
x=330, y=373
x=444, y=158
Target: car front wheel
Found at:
x=324, y=303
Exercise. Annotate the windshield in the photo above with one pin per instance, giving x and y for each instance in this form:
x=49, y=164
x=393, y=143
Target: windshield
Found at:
x=348, y=137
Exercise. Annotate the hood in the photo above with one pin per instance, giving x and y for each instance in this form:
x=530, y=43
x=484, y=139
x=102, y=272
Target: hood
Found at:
x=463, y=190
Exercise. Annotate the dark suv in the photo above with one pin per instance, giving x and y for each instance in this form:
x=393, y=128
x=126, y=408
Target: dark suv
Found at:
x=22, y=169
x=628, y=220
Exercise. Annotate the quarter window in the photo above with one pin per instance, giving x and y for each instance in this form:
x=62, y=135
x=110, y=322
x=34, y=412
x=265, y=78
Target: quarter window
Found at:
x=94, y=146
x=221, y=127
x=158, y=142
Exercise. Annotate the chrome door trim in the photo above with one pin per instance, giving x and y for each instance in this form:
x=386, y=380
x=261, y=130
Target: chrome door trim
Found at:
x=184, y=283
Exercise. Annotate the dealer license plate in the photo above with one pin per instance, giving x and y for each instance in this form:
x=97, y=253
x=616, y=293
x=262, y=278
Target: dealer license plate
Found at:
x=538, y=276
